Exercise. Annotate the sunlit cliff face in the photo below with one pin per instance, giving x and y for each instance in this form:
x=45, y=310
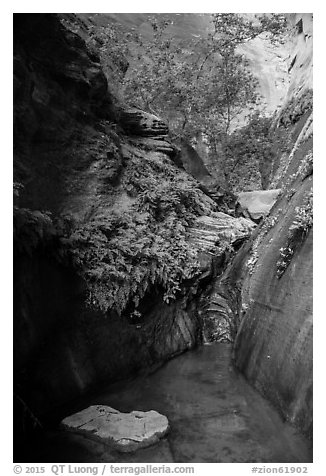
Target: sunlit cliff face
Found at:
x=301, y=57
x=284, y=69
x=268, y=63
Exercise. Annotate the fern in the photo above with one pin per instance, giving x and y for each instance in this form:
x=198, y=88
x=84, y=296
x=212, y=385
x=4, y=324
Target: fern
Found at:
x=299, y=229
x=120, y=264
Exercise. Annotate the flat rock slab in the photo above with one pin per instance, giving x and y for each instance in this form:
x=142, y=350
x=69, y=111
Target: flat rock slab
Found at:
x=124, y=431
x=258, y=203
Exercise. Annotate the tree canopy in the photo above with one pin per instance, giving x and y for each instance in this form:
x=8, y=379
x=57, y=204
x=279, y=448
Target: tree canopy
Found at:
x=199, y=84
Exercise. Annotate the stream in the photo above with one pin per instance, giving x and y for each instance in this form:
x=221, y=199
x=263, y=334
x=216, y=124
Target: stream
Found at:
x=214, y=414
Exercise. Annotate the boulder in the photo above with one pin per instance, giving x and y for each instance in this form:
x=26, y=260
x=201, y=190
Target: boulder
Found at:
x=257, y=204
x=124, y=431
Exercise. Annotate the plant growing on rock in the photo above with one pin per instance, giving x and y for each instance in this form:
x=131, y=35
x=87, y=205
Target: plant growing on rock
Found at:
x=199, y=86
x=306, y=166
x=286, y=254
x=122, y=258
x=299, y=229
x=303, y=219
x=195, y=84
x=129, y=254
x=248, y=153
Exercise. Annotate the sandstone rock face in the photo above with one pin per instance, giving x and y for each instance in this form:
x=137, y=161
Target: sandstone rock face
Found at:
x=270, y=316
x=274, y=342
x=216, y=236
x=301, y=58
x=213, y=231
x=70, y=155
x=155, y=145
x=273, y=347
x=67, y=146
x=61, y=94
x=272, y=311
x=124, y=431
x=299, y=97
x=139, y=123
x=268, y=62
x=218, y=319
x=188, y=158
x=65, y=348
x=147, y=131
x=258, y=203
x=192, y=162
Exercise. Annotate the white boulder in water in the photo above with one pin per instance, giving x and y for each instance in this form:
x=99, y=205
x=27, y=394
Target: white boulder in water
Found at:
x=125, y=431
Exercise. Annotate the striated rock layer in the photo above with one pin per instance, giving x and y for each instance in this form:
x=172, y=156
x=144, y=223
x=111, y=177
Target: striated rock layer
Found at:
x=73, y=145
x=78, y=155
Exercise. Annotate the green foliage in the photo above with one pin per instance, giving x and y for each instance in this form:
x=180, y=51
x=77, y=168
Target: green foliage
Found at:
x=306, y=166
x=296, y=107
x=171, y=195
x=299, y=229
x=123, y=256
x=195, y=84
x=248, y=153
x=113, y=43
x=161, y=189
x=199, y=85
x=286, y=254
x=253, y=258
x=290, y=194
x=235, y=29
x=303, y=219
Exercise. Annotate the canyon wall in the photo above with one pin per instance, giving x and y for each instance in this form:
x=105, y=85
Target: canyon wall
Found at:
x=273, y=347
x=80, y=157
x=83, y=162
x=72, y=150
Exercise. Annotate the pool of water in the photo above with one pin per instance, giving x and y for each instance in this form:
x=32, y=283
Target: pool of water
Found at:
x=214, y=414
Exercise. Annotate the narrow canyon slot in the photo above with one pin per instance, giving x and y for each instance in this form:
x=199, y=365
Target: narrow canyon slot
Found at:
x=163, y=238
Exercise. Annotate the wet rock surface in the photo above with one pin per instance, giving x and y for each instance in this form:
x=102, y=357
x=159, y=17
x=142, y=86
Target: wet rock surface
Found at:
x=215, y=416
x=218, y=319
x=124, y=431
x=273, y=347
x=70, y=157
